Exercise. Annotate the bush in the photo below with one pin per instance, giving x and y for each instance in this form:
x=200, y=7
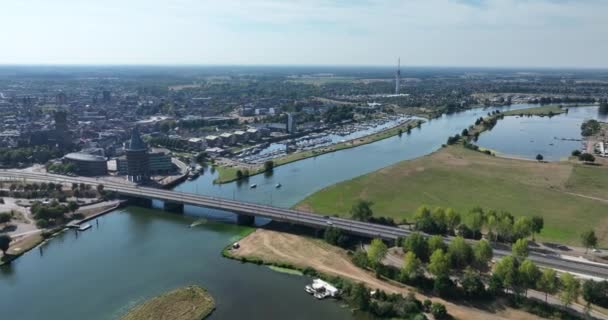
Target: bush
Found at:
x=427, y=305
x=42, y=223
x=5, y=217
x=360, y=259
x=587, y=157
x=439, y=311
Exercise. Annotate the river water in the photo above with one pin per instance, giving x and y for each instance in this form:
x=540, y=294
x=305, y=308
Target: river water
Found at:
x=554, y=138
x=133, y=254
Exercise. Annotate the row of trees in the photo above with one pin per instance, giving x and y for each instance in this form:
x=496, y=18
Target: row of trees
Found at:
x=49, y=190
x=26, y=155
x=501, y=226
x=512, y=274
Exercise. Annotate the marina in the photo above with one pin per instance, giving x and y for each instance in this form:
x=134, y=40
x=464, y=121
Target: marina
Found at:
x=351, y=131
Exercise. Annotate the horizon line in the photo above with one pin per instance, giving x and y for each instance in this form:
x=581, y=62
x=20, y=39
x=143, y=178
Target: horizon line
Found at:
x=596, y=68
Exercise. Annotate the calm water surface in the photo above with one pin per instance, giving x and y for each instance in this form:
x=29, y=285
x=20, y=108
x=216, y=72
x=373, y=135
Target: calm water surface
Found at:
x=554, y=137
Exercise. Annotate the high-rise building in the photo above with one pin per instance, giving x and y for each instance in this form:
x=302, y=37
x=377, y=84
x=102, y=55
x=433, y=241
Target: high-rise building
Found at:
x=291, y=123
x=398, y=76
x=62, y=134
x=138, y=162
x=106, y=96
x=61, y=98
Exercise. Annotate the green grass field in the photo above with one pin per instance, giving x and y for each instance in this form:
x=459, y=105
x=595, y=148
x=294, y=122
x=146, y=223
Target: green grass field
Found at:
x=537, y=111
x=462, y=179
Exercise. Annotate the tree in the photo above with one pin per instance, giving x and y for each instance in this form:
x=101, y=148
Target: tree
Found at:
x=588, y=239
x=438, y=310
x=539, y=157
x=548, y=282
x=239, y=174
x=376, y=252
x=596, y=292
x=362, y=210
x=576, y=153
x=537, y=225
x=520, y=248
x=5, y=241
x=436, y=243
x=474, y=221
x=439, y=220
x=412, y=267
x=268, y=165
x=460, y=252
x=465, y=132
x=423, y=220
x=523, y=227
x=506, y=270
x=5, y=217
x=100, y=188
x=528, y=273
x=360, y=296
x=416, y=243
x=570, y=289
x=482, y=252
x=452, y=220
x=586, y=157
x=439, y=264
x=471, y=283
x=73, y=206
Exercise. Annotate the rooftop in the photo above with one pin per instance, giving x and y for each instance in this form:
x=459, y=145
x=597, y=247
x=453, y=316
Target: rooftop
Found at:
x=81, y=156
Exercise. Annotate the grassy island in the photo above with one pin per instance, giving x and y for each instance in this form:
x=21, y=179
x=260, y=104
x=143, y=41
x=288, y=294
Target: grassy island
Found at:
x=188, y=303
x=549, y=110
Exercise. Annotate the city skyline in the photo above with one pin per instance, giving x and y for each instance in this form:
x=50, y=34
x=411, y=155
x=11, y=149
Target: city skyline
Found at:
x=463, y=33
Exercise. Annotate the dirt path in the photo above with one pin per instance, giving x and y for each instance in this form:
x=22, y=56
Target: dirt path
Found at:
x=273, y=246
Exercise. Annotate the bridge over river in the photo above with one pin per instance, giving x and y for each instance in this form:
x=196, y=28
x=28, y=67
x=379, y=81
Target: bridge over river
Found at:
x=246, y=211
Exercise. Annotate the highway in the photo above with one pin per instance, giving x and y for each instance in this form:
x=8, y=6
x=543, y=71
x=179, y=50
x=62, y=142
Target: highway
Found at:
x=364, y=229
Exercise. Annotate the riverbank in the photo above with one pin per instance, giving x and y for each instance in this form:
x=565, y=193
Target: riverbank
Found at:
x=23, y=243
x=229, y=174
x=188, y=303
x=570, y=196
x=301, y=252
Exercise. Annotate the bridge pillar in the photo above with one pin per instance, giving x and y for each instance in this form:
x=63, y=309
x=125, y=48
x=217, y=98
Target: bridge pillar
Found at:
x=140, y=202
x=174, y=207
x=244, y=219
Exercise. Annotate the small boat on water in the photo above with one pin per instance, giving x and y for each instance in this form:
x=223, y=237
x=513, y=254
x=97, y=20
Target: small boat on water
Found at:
x=309, y=289
x=84, y=227
x=278, y=185
x=253, y=186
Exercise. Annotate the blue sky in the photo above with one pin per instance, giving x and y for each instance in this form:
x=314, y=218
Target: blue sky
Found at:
x=532, y=33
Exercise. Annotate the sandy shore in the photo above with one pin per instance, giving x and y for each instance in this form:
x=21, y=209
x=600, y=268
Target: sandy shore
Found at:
x=277, y=247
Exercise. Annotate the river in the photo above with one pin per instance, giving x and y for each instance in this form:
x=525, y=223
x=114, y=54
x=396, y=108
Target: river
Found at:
x=133, y=254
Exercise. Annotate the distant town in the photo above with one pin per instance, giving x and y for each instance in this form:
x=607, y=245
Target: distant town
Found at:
x=85, y=121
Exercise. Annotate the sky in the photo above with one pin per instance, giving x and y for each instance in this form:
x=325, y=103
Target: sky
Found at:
x=482, y=33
